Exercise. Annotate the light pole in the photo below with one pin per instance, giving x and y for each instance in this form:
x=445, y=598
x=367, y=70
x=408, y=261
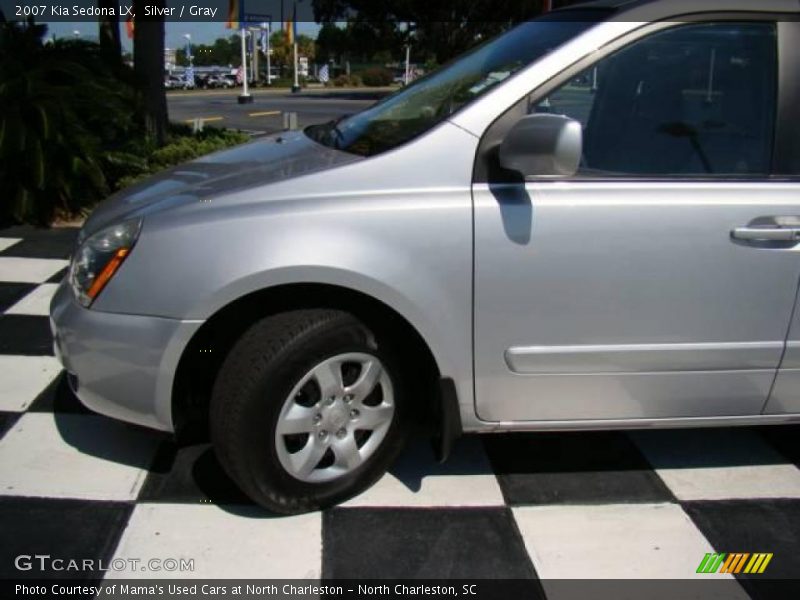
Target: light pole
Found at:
x=253, y=46
x=245, y=97
x=188, y=73
x=266, y=49
x=408, y=64
x=296, y=86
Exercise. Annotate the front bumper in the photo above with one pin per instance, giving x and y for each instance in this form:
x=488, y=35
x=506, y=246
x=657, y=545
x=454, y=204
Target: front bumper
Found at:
x=120, y=365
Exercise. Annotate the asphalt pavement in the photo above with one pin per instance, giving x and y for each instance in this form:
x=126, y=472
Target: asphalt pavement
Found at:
x=265, y=114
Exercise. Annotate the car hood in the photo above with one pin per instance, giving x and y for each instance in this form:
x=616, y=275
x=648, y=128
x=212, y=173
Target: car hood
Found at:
x=267, y=160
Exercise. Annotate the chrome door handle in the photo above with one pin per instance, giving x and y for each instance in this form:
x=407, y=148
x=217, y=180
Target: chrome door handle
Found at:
x=767, y=234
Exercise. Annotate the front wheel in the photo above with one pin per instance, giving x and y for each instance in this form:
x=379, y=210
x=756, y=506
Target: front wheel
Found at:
x=307, y=410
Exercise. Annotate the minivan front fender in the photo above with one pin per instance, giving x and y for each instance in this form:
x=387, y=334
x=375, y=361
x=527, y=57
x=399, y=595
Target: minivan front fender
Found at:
x=396, y=227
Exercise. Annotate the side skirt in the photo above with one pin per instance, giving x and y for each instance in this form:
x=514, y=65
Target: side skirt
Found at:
x=476, y=426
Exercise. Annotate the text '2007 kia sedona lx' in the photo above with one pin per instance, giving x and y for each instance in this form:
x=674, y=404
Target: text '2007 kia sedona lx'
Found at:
x=591, y=221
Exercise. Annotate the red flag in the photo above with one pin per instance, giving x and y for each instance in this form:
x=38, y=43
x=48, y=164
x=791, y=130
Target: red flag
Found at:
x=129, y=27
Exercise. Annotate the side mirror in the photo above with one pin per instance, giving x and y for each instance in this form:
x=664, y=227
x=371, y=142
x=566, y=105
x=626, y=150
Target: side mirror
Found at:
x=543, y=145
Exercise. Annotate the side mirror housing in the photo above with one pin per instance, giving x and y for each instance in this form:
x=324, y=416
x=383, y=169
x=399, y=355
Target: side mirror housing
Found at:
x=543, y=145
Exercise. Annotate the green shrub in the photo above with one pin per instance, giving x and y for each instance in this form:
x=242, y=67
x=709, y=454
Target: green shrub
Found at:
x=345, y=80
x=187, y=147
x=377, y=77
x=282, y=82
x=341, y=81
x=67, y=136
x=182, y=145
x=61, y=105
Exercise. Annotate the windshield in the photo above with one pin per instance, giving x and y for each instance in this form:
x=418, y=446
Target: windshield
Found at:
x=417, y=108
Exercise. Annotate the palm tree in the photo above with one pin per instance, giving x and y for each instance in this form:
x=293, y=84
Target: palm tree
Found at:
x=148, y=64
x=61, y=103
x=109, y=33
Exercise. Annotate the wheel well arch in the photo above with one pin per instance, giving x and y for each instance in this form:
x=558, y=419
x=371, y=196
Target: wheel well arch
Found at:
x=203, y=355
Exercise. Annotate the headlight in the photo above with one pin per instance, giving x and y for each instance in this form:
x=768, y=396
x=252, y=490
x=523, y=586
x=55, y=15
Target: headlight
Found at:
x=99, y=257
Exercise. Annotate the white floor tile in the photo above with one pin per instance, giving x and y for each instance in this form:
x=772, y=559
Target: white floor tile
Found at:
x=22, y=378
x=225, y=542
x=8, y=242
x=29, y=270
x=37, y=302
x=622, y=541
x=74, y=456
x=718, y=464
x=466, y=479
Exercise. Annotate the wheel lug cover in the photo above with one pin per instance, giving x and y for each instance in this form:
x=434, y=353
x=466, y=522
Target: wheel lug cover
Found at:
x=354, y=414
x=322, y=434
x=349, y=398
x=317, y=418
x=341, y=433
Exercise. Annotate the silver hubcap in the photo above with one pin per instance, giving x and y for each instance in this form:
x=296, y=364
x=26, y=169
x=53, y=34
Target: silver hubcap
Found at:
x=335, y=418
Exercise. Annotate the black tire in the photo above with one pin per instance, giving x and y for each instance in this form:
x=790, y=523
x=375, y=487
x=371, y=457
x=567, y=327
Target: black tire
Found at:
x=255, y=379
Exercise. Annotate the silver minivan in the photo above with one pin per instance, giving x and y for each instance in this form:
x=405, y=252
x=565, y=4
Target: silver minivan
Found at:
x=591, y=221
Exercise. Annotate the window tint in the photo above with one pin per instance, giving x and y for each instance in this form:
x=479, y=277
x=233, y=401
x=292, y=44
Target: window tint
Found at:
x=692, y=100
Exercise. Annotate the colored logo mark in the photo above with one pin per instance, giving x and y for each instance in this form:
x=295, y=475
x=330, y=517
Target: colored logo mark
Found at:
x=734, y=562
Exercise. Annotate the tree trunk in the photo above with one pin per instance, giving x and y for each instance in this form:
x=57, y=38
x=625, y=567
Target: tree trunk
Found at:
x=109, y=33
x=148, y=63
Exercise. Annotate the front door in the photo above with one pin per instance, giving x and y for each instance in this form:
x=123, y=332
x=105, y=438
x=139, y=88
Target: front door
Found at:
x=659, y=282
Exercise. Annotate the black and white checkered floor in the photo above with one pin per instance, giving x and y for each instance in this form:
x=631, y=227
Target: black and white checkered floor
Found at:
x=590, y=505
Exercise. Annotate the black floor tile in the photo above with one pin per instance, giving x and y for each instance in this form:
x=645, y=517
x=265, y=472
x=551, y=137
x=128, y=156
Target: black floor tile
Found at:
x=706, y=448
x=755, y=526
x=26, y=335
x=58, y=398
x=11, y=293
x=7, y=420
x=573, y=468
x=40, y=243
x=785, y=439
x=386, y=543
x=189, y=475
x=65, y=529
x=58, y=276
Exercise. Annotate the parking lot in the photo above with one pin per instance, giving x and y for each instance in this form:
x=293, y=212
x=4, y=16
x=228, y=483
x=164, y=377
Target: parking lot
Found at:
x=265, y=114
x=606, y=505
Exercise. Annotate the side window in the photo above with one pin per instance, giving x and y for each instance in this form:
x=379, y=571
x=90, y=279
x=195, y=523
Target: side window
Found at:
x=696, y=99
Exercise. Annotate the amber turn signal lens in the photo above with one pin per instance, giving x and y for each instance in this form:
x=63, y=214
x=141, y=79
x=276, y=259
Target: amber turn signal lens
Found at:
x=108, y=271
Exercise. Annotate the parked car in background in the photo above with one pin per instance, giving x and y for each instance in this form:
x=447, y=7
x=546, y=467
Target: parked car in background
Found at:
x=589, y=222
x=221, y=81
x=173, y=82
x=213, y=81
